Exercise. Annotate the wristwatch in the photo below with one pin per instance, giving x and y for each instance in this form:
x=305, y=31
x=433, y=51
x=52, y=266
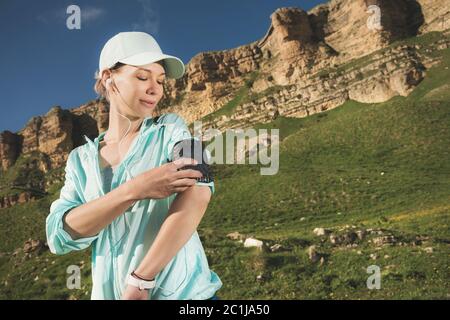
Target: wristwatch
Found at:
x=136, y=281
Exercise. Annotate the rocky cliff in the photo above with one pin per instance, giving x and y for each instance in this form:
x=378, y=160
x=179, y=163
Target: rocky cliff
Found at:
x=299, y=44
x=306, y=62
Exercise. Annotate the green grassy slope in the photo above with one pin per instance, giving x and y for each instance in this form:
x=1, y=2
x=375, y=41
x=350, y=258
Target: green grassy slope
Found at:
x=370, y=165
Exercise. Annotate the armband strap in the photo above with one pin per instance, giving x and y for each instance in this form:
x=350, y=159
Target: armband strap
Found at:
x=193, y=148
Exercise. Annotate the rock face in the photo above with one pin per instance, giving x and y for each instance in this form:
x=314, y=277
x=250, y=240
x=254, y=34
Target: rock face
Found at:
x=301, y=62
x=11, y=200
x=33, y=245
x=50, y=134
x=10, y=145
x=307, y=62
x=44, y=144
x=54, y=134
x=349, y=27
x=436, y=15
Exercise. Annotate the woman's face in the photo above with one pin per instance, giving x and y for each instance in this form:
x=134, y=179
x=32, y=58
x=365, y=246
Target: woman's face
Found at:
x=140, y=86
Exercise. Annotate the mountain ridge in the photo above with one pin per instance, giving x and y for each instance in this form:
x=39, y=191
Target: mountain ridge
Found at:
x=306, y=63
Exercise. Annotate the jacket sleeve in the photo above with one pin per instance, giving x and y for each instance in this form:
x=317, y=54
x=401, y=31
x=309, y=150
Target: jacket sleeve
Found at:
x=177, y=131
x=59, y=241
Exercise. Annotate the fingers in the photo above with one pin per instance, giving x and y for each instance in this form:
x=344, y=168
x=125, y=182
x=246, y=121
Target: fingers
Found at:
x=179, y=163
x=179, y=190
x=184, y=183
x=188, y=173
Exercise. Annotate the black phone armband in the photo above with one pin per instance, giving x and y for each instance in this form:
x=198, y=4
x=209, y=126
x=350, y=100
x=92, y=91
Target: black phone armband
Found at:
x=194, y=149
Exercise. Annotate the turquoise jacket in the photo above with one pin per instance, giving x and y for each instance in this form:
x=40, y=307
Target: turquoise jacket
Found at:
x=119, y=248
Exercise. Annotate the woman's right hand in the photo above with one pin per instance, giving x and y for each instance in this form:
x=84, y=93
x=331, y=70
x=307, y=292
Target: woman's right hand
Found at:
x=163, y=181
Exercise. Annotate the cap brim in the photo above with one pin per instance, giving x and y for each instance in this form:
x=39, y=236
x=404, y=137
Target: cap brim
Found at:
x=174, y=67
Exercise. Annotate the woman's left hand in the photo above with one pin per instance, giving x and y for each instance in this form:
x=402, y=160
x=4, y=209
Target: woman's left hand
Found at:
x=133, y=293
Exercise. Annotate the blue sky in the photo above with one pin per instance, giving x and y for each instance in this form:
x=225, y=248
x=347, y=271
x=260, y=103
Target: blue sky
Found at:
x=45, y=64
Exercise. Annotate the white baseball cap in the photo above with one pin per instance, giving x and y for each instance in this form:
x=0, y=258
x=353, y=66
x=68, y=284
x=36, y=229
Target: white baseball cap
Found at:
x=137, y=49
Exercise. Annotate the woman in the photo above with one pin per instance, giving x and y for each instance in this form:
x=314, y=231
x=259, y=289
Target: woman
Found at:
x=125, y=196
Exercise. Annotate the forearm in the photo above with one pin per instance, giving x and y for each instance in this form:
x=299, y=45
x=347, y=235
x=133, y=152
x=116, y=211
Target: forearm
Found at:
x=184, y=216
x=90, y=218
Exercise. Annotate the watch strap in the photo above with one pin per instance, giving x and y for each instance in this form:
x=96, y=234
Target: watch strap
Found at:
x=140, y=283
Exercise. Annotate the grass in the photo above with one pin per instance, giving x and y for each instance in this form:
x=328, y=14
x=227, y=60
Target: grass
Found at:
x=331, y=167
x=381, y=165
x=21, y=173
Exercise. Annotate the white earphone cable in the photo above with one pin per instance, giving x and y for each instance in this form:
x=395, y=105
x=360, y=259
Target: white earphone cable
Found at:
x=108, y=83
